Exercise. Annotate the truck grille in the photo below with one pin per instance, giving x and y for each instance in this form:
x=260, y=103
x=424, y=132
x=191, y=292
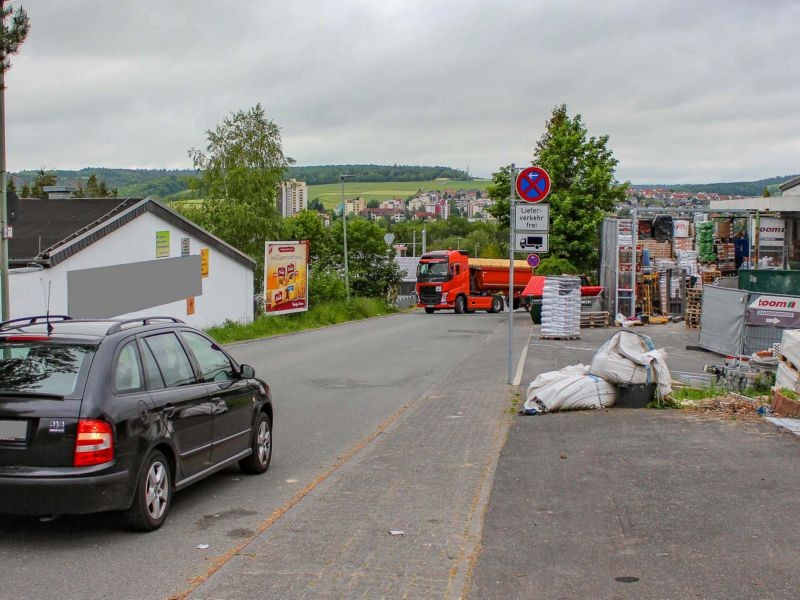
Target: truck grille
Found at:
x=429, y=295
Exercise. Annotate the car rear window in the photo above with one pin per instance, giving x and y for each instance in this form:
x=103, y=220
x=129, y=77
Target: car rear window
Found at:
x=43, y=367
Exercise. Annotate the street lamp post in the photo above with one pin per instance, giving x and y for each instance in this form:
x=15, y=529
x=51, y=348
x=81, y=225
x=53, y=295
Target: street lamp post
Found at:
x=344, y=234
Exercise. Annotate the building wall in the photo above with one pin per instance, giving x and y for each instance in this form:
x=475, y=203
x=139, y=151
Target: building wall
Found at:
x=227, y=291
x=292, y=197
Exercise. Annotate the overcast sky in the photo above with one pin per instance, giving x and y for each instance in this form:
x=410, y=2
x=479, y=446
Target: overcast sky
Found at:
x=687, y=91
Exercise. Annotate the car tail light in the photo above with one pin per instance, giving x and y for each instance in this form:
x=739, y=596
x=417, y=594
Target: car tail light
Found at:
x=94, y=443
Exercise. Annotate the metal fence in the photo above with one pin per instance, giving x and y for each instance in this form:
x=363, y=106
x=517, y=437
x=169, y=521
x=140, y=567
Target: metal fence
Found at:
x=723, y=325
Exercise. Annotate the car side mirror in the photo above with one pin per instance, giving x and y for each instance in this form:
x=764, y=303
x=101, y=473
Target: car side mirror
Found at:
x=247, y=372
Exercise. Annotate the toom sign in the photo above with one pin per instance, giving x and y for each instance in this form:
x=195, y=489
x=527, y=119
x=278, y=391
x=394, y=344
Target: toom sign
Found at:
x=778, y=311
x=771, y=232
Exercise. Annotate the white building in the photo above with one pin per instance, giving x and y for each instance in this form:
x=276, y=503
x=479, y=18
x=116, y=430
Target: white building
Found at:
x=292, y=197
x=124, y=257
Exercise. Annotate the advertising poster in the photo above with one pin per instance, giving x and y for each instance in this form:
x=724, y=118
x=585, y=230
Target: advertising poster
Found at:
x=162, y=244
x=285, y=277
x=771, y=232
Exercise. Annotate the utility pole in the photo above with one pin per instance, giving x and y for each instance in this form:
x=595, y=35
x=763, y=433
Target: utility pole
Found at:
x=4, y=293
x=344, y=234
x=13, y=36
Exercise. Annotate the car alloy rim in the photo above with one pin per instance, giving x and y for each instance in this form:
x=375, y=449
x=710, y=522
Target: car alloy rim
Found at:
x=263, y=442
x=157, y=490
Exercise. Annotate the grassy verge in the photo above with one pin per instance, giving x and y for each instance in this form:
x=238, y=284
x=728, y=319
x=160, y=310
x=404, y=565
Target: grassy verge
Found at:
x=318, y=315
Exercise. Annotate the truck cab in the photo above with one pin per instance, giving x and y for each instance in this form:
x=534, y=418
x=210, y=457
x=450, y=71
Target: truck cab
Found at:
x=449, y=279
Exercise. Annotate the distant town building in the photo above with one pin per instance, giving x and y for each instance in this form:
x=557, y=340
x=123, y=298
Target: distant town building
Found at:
x=355, y=206
x=292, y=197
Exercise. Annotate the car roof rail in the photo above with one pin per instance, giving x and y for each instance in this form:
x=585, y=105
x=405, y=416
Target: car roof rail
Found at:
x=140, y=322
x=33, y=320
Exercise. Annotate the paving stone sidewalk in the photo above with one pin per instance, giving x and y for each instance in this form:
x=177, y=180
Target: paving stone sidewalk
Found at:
x=428, y=476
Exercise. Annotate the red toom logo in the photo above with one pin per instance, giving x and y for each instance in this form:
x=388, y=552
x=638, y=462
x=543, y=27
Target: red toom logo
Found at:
x=766, y=303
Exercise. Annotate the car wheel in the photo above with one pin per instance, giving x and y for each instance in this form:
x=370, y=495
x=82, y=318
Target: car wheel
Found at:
x=461, y=305
x=497, y=304
x=429, y=310
x=261, y=447
x=153, y=495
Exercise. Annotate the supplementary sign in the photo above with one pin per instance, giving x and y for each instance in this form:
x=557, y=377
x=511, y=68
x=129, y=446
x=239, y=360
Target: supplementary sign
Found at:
x=185, y=247
x=778, y=311
x=285, y=277
x=533, y=184
x=531, y=242
x=532, y=217
x=162, y=244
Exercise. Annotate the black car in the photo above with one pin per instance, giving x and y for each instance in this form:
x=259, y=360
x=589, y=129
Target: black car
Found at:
x=117, y=415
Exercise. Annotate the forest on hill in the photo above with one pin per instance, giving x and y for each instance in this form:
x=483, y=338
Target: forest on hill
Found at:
x=733, y=188
x=170, y=183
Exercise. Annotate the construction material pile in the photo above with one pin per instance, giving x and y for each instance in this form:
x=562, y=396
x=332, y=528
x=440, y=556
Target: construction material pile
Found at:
x=627, y=360
x=561, y=308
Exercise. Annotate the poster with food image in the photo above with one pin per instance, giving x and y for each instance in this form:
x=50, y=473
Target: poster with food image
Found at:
x=285, y=277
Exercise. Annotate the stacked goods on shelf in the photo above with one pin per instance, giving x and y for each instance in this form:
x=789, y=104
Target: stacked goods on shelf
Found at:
x=726, y=256
x=694, y=307
x=684, y=243
x=662, y=266
x=657, y=249
x=595, y=319
x=687, y=260
x=663, y=228
x=705, y=242
x=561, y=308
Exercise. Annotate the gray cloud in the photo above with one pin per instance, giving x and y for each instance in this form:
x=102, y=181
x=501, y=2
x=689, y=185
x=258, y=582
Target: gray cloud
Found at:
x=686, y=91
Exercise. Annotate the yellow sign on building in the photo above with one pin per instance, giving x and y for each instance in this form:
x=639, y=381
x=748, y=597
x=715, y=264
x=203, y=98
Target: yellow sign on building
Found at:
x=162, y=244
x=204, y=262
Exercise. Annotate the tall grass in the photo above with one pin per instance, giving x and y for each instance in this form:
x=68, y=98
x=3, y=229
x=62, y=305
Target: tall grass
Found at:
x=319, y=315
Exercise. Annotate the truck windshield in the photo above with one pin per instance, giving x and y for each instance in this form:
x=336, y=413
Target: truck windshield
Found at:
x=430, y=271
x=42, y=368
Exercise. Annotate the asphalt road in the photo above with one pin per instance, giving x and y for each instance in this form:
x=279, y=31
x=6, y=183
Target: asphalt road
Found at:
x=332, y=388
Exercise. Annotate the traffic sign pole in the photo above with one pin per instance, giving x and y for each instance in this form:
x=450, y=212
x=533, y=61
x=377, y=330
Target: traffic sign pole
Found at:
x=511, y=272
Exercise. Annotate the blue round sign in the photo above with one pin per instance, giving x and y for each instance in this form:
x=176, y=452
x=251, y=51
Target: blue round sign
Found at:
x=534, y=260
x=533, y=184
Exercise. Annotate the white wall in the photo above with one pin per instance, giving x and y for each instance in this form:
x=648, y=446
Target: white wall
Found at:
x=227, y=291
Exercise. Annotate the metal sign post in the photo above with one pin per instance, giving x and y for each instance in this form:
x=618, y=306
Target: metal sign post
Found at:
x=511, y=272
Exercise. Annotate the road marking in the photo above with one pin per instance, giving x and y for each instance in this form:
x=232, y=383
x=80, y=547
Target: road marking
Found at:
x=523, y=356
x=221, y=561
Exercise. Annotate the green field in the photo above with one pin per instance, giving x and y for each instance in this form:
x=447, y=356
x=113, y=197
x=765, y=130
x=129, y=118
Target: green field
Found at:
x=331, y=194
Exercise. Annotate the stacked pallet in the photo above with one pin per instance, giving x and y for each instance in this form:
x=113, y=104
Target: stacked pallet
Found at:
x=710, y=273
x=694, y=307
x=595, y=319
x=561, y=308
x=657, y=249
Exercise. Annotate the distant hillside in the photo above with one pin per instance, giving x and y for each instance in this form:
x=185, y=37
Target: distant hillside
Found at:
x=170, y=183
x=736, y=188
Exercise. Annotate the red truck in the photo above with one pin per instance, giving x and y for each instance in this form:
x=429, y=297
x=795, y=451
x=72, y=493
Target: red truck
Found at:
x=449, y=279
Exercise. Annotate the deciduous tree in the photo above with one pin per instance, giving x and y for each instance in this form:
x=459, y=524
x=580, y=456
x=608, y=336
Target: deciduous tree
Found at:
x=584, y=188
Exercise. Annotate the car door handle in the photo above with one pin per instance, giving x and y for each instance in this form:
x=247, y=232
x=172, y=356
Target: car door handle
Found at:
x=169, y=411
x=217, y=400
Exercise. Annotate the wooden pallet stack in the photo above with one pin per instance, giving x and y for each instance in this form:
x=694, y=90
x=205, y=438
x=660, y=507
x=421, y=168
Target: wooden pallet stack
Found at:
x=597, y=319
x=694, y=307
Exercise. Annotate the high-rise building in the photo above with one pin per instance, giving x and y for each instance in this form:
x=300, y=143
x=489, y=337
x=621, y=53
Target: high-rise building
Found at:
x=292, y=197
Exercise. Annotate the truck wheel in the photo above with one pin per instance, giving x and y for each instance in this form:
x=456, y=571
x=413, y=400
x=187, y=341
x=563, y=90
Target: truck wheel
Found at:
x=497, y=304
x=516, y=303
x=429, y=310
x=461, y=305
